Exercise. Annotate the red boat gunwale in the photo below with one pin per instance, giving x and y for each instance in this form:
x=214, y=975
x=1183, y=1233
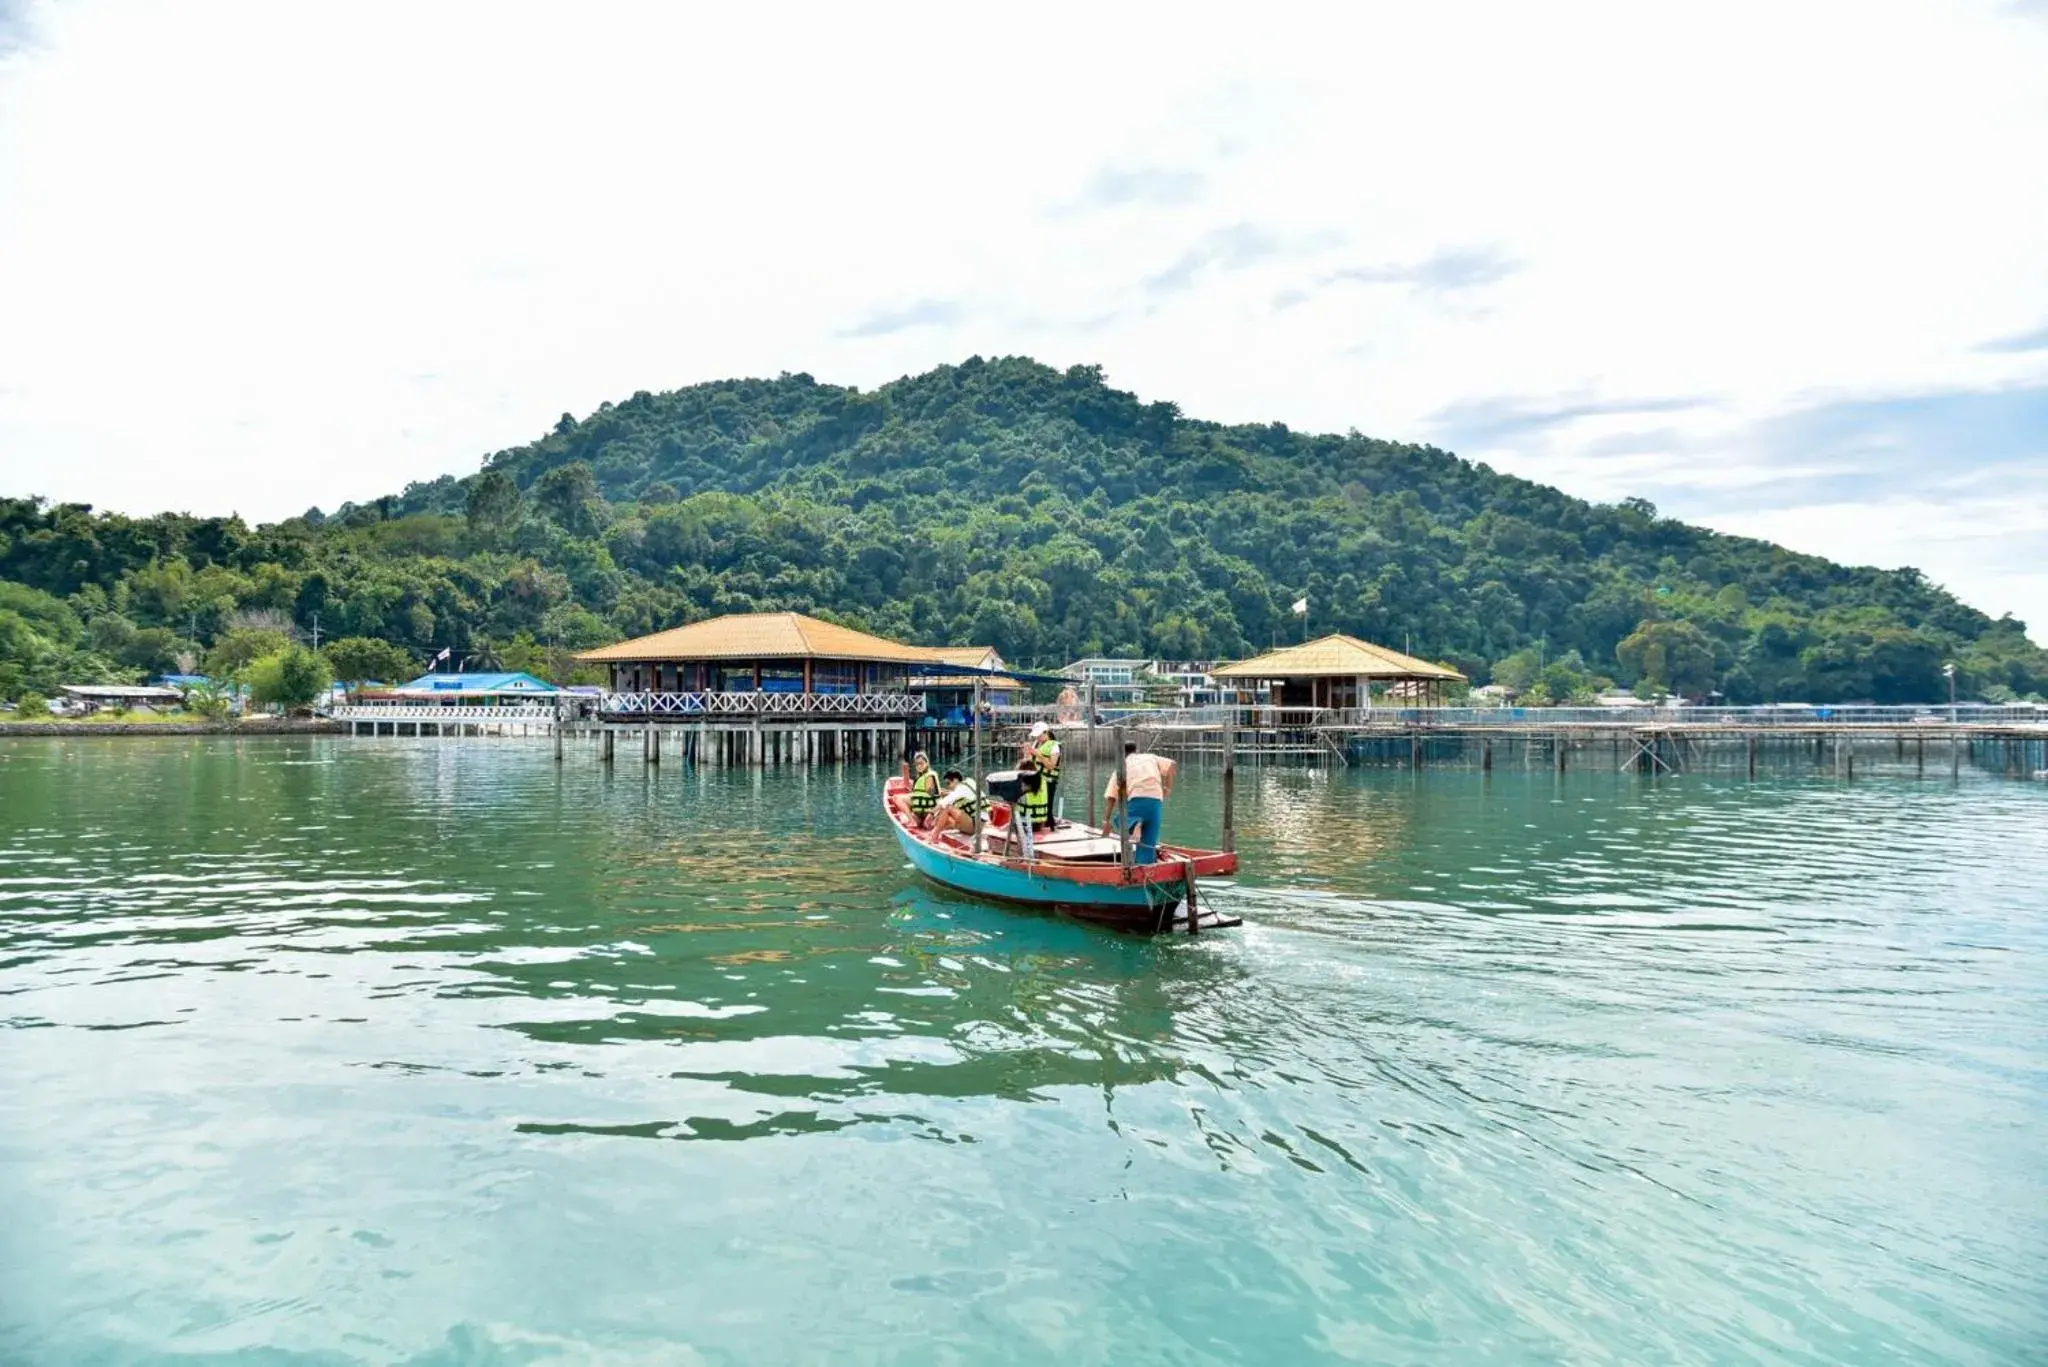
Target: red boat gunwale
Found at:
x=1172, y=866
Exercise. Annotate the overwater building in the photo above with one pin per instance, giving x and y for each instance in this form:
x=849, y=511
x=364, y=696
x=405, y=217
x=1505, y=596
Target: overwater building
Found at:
x=767, y=664
x=1336, y=671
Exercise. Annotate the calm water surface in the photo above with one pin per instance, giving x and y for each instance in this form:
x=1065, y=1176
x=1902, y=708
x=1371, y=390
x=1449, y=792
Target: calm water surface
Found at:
x=329, y=1052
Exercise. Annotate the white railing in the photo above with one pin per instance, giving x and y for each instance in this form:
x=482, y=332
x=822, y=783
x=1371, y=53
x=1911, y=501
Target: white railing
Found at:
x=528, y=715
x=709, y=704
x=1967, y=714
x=1257, y=716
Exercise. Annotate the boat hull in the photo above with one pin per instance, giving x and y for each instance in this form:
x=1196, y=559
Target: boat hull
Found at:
x=1149, y=896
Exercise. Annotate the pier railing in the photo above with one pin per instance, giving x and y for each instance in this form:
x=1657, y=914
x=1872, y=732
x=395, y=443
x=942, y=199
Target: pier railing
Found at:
x=1260, y=717
x=355, y=712
x=764, y=704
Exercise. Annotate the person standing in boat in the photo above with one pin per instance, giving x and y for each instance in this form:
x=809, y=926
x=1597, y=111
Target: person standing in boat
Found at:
x=1043, y=749
x=1033, y=811
x=956, y=809
x=924, y=789
x=1151, y=782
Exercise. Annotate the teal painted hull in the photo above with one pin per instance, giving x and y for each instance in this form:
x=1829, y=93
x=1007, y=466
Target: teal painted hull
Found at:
x=985, y=879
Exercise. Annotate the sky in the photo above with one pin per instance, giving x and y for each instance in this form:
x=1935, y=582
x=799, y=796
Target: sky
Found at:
x=1780, y=269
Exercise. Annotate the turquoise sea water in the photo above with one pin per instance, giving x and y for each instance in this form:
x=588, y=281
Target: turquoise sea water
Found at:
x=324, y=1051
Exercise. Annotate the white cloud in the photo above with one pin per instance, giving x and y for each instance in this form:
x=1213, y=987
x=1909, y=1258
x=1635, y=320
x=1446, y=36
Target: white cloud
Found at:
x=257, y=256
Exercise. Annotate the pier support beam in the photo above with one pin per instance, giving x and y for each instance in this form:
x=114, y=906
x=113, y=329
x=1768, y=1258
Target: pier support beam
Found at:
x=610, y=736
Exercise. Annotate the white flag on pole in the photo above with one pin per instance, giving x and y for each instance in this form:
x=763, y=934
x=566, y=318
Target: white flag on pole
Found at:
x=1301, y=607
x=442, y=656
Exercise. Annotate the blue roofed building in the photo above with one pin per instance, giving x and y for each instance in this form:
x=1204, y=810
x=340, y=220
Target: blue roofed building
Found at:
x=499, y=689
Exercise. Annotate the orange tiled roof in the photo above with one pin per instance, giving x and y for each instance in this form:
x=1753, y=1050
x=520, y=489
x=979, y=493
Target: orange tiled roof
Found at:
x=1335, y=656
x=760, y=636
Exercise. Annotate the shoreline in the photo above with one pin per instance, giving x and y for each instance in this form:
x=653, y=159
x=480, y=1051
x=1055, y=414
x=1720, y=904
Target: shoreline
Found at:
x=318, y=726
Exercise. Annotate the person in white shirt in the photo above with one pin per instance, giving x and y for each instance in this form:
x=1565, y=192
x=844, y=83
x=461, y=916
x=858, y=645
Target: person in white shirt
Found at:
x=957, y=806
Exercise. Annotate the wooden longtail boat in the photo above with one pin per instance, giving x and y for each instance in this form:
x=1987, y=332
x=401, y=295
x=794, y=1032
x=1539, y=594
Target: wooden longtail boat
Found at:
x=1076, y=869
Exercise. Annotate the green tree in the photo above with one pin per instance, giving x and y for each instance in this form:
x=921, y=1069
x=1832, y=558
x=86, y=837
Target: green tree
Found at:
x=31, y=706
x=241, y=648
x=292, y=679
x=1669, y=657
x=209, y=700
x=493, y=507
x=569, y=496
x=359, y=659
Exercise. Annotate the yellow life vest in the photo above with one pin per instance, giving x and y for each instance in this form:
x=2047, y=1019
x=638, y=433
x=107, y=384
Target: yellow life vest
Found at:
x=1036, y=805
x=924, y=793
x=1047, y=753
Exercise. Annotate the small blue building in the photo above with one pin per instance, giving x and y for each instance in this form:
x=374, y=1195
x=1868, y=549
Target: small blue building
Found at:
x=502, y=689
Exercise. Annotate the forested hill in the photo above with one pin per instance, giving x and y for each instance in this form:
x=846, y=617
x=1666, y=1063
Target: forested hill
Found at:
x=1010, y=503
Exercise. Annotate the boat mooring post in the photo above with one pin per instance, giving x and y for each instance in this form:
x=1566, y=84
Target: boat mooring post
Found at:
x=1091, y=752
x=979, y=779
x=1123, y=797
x=1229, y=790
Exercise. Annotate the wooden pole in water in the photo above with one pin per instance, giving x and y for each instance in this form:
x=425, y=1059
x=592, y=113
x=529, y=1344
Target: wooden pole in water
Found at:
x=1091, y=752
x=1752, y=756
x=1486, y=755
x=1955, y=758
x=1123, y=797
x=609, y=737
x=976, y=778
x=1229, y=792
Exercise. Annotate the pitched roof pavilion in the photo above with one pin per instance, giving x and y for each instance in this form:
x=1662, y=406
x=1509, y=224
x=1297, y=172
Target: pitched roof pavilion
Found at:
x=1335, y=656
x=969, y=657
x=760, y=636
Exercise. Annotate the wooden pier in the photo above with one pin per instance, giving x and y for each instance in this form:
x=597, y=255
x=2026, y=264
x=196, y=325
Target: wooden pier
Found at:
x=759, y=729
x=2006, y=741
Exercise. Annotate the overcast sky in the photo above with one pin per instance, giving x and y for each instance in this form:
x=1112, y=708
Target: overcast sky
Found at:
x=1781, y=268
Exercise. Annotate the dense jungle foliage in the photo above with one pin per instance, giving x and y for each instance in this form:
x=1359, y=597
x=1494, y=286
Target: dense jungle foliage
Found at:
x=1002, y=502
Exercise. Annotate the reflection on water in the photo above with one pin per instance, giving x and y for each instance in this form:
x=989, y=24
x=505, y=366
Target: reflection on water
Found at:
x=398, y=1051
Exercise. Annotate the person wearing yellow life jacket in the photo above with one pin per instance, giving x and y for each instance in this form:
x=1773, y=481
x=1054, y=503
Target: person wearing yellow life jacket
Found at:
x=1032, y=813
x=1043, y=749
x=924, y=789
x=958, y=805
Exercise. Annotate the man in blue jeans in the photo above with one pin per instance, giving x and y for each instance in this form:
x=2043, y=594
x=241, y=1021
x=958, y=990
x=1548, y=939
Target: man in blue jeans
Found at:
x=1151, y=782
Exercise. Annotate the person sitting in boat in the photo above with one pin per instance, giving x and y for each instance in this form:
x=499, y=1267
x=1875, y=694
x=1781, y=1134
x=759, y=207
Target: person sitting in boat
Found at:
x=924, y=789
x=957, y=807
x=1151, y=782
x=1043, y=749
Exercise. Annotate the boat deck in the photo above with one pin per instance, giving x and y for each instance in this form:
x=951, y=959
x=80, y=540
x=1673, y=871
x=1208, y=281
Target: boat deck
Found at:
x=1076, y=869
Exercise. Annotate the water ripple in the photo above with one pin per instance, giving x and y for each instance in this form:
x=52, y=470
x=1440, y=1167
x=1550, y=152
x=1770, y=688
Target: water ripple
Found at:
x=395, y=1052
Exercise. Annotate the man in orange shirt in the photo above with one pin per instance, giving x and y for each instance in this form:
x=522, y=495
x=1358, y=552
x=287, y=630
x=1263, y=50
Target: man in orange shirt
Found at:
x=1151, y=782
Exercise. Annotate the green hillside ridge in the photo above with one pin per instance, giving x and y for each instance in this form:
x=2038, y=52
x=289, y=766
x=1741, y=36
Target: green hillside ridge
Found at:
x=1002, y=502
